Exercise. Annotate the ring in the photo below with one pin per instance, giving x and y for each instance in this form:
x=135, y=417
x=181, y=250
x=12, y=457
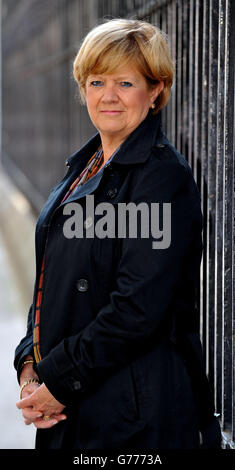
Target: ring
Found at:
x=46, y=418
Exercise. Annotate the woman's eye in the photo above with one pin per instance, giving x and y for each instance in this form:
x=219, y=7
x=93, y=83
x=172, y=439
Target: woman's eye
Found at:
x=96, y=83
x=126, y=84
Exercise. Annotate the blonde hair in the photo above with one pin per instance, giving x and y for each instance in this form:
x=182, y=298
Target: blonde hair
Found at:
x=118, y=41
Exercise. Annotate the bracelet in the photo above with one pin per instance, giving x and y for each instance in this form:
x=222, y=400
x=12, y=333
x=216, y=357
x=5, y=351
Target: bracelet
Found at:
x=27, y=382
x=29, y=361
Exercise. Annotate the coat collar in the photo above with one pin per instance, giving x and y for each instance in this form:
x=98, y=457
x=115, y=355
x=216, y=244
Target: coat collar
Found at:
x=135, y=149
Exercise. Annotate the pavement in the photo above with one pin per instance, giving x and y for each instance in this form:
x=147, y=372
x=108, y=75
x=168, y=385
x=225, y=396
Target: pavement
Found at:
x=17, y=225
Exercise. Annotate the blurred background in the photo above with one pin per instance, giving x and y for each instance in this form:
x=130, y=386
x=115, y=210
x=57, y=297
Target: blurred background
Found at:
x=42, y=123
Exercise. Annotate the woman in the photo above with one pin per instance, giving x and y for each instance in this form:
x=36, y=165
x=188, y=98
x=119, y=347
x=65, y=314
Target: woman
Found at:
x=111, y=358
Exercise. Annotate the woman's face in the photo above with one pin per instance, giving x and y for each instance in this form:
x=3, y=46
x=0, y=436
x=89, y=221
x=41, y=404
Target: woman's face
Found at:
x=119, y=102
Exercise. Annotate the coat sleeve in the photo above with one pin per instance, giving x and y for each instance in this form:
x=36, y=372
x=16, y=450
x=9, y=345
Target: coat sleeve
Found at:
x=140, y=305
x=25, y=347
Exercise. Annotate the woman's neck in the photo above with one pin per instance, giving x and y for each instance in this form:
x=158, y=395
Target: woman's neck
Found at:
x=109, y=145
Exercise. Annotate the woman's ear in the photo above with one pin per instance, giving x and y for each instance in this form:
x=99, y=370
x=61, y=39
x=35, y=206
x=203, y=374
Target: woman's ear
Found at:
x=156, y=91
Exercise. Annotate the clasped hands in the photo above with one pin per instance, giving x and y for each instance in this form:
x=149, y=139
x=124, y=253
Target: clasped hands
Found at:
x=38, y=405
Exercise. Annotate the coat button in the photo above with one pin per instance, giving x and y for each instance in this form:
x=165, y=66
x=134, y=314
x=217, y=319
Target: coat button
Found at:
x=112, y=193
x=77, y=385
x=82, y=285
x=160, y=146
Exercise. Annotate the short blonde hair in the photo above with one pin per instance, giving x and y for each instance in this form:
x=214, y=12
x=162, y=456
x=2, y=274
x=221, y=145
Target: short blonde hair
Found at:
x=118, y=41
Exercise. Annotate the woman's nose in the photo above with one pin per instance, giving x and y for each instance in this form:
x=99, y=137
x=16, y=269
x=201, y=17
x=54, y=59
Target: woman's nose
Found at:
x=109, y=94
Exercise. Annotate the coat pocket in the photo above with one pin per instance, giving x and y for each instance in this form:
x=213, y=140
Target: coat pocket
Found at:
x=125, y=398
x=134, y=390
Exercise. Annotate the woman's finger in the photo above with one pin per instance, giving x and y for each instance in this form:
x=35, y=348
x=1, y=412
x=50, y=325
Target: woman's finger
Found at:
x=27, y=421
x=25, y=402
x=42, y=424
x=29, y=413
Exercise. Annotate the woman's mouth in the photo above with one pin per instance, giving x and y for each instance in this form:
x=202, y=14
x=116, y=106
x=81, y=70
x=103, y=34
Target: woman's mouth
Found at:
x=111, y=112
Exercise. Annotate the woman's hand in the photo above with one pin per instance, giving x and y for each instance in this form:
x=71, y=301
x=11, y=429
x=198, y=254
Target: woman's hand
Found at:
x=37, y=402
x=28, y=413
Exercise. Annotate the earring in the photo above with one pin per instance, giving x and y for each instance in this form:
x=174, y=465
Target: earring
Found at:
x=153, y=106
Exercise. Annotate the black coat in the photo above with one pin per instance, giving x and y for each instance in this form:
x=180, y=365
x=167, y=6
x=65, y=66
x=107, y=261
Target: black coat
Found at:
x=119, y=324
